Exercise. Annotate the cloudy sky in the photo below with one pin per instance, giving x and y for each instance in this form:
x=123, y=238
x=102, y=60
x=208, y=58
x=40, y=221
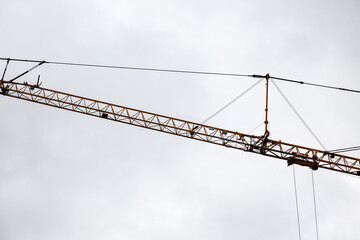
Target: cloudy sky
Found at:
x=69, y=176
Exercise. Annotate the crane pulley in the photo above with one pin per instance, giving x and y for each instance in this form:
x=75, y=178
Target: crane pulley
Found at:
x=293, y=154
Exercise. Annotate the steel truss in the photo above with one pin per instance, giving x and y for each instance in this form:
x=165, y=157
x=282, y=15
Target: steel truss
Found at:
x=293, y=154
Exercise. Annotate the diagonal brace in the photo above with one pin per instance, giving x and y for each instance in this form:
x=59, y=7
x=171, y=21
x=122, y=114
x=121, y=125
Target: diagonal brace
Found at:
x=39, y=64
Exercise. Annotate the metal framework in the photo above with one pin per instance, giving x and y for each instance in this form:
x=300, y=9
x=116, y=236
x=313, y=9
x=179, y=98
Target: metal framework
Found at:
x=293, y=154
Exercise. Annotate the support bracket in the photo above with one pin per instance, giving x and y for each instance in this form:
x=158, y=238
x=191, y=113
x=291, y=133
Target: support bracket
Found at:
x=38, y=65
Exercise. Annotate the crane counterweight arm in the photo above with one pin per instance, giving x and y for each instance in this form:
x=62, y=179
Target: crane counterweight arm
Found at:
x=293, y=154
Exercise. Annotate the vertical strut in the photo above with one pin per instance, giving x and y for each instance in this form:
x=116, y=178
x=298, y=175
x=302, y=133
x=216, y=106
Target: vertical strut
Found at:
x=7, y=63
x=267, y=103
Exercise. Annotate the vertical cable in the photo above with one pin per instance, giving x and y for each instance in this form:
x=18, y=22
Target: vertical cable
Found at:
x=317, y=139
x=297, y=204
x=313, y=188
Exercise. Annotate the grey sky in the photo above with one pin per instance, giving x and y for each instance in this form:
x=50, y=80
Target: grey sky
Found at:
x=68, y=176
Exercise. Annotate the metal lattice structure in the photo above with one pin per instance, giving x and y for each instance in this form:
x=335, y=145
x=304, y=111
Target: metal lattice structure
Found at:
x=293, y=154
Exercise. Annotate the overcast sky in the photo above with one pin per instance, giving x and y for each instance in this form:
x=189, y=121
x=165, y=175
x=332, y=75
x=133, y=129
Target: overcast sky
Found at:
x=69, y=176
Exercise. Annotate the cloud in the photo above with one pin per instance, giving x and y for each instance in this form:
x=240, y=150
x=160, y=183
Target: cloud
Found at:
x=68, y=176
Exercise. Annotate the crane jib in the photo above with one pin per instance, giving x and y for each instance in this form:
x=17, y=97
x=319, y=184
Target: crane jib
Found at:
x=293, y=154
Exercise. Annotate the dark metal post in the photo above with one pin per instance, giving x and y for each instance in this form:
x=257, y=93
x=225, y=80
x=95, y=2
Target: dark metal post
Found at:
x=267, y=103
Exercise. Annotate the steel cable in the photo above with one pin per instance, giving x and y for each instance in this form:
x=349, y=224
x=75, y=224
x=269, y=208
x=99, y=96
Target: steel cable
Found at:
x=231, y=102
x=182, y=71
x=318, y=140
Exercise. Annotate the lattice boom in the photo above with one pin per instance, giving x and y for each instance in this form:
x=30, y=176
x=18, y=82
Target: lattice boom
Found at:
x=294, y=154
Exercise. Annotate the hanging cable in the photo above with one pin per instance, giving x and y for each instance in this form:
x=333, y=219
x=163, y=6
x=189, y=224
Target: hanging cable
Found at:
x=315, y=211
x=297, y=204
x=183, y=71
x=318, y=140
x=231, y=102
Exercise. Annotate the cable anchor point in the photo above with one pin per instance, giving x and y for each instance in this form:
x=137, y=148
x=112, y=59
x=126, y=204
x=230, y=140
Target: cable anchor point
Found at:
x=33, y=86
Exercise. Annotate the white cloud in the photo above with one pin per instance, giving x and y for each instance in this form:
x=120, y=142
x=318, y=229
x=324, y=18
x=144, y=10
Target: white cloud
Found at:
x=68, y=176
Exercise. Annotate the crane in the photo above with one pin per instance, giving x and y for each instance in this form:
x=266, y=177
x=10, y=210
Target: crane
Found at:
x=292, y=153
